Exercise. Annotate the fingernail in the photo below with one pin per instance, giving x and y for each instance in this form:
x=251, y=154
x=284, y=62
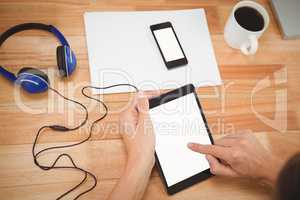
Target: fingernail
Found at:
x=190, y=145
x=208, y=159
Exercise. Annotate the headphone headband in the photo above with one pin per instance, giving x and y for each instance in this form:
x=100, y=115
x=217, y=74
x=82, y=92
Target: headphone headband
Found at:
x=10, y=76
x=31, y=26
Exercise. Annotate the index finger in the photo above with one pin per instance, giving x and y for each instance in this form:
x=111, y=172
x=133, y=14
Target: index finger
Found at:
x=214, y=150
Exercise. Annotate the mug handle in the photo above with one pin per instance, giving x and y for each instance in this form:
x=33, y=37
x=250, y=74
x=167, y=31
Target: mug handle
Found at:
x=250, y=47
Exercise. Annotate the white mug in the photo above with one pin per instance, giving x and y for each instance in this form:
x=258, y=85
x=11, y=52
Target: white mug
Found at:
x=240, y=38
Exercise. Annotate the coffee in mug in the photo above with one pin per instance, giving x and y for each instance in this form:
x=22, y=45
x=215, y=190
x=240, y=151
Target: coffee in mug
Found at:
x=249, y=18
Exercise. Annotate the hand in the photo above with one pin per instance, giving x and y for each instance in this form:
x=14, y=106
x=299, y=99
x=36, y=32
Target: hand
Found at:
x=139, y=140
x=137, y=132
x=240, y=155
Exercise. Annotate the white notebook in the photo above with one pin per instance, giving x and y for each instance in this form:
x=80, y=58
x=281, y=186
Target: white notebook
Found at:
x=121, y=49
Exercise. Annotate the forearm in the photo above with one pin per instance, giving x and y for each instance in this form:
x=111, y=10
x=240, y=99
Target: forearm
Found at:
x=133, y=181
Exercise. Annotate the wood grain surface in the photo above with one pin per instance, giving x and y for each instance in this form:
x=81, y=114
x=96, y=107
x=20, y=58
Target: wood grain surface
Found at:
x=272, y=113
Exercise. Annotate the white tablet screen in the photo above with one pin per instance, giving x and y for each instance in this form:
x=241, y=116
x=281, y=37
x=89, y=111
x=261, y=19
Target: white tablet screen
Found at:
x=176, y=123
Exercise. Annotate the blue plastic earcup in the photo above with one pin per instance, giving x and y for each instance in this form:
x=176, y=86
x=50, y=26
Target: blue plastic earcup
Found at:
x=32, y=80
x=66, y=60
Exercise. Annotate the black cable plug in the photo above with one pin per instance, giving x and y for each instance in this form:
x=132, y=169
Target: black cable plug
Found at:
x=59, y=128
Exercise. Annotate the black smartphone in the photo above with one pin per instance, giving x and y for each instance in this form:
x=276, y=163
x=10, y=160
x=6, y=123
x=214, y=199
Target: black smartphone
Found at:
x=168, y=45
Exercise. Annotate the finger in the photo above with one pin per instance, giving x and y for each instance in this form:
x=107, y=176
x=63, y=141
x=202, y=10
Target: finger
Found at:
x=129, y=112
x=143, y=106
x=218, y=168
x=129, y=117
x=214, y=150
x=144, y=120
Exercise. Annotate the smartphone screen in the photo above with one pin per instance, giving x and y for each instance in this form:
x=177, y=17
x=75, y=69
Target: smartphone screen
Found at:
x=168, y=44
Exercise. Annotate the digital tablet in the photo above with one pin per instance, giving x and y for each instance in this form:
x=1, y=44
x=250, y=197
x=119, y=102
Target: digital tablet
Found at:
x=178, y=119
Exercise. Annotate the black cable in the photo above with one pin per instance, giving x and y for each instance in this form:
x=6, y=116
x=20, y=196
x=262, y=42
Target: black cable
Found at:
x=74, y=166
x=101, y=102
x=66, y=129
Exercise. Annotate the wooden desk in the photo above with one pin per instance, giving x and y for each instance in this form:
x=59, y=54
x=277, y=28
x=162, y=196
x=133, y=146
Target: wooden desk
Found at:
x=227, y=107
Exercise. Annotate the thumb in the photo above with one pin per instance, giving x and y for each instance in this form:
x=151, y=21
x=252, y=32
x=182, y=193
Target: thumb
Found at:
x=218, y=168
x=144, y=120
x=143, y=107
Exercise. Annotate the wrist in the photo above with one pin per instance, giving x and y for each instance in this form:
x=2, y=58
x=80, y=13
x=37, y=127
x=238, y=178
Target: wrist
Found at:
x=140, y=163
x=141, y=158
x=137, y=170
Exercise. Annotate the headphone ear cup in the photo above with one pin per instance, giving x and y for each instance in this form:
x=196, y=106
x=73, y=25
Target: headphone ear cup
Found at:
x=72, y=62
x=32, y=80
x=61, y=61
x=34, y=71
x=66, y=60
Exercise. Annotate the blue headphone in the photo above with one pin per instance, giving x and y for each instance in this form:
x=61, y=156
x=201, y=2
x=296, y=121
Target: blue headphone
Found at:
x=33, y=80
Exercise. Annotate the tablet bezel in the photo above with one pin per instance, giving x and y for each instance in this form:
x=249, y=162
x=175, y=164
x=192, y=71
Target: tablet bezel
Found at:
x=167, y=97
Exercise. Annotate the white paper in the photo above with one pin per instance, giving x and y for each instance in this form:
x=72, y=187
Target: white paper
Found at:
x=175, y=124
x=122, y=49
